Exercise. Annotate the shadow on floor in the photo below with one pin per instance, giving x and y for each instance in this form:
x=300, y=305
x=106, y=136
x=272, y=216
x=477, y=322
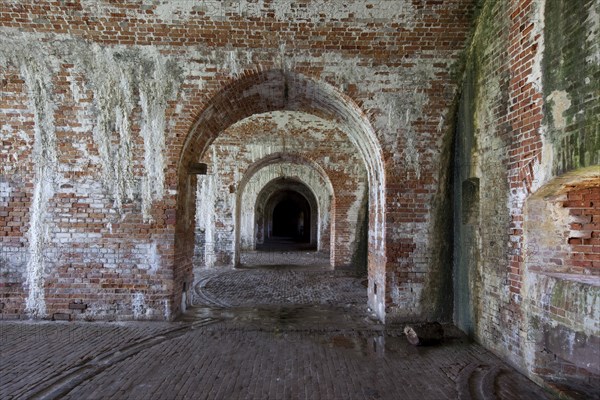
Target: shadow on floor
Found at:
x=284, y=244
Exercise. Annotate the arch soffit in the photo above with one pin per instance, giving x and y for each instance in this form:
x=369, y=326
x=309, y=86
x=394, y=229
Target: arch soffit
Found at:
x=272, y=189
x=284, y=158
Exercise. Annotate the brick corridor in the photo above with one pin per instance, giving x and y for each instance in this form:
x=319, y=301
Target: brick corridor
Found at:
x=310, y=338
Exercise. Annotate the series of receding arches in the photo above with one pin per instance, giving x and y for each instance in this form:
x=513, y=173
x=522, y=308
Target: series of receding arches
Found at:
x=268, y=178
x=276, y=90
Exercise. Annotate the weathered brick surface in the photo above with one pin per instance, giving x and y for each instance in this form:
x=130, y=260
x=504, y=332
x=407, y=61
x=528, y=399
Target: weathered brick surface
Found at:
x=281, y=350
x=105, y=105
x=526, y=158
x=298, y=148
x=104, y=80
x=583, y=234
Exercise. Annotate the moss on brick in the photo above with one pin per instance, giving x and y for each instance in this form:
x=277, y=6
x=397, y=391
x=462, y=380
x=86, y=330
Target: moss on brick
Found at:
x=570, y=64
x=558, y=295
x=475, y=114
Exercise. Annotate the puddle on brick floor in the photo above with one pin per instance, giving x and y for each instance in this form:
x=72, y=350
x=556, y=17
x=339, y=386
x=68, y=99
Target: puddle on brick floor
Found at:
x=342, y=328
x=305, y=317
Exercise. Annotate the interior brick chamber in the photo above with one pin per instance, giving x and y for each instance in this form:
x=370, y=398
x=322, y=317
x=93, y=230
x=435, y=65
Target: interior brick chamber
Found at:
x=463, y=114
x=287, y=145
x=88, y=102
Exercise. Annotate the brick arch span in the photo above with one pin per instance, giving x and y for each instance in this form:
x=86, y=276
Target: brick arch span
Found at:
x=270, y=168
x=266, y=91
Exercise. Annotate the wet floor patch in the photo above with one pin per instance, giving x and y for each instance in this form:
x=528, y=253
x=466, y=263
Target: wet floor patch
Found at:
x=291, y=317
x=344, y=328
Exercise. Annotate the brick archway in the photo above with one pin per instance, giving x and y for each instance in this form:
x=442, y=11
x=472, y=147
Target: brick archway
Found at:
x=304, y=170
x=268, y=91
x=291, y=195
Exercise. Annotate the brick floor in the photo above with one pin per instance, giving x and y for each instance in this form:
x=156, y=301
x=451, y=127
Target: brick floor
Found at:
x=252, y=287
x=255, y=333
x=275, y=258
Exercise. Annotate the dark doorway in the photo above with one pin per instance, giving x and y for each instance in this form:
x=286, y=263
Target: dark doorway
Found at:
x=292, y=220
x=288, y=215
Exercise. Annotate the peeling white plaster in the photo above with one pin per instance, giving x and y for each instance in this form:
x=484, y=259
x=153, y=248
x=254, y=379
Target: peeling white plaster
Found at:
x=149, y=257
x=37, y=73
x=115, y=75
x=205, y=213
x=441, y=123
x=113, y=97
x=402, y=12
x=38, y=234
x=120, y=79
x=138, y=306
x=286, y=59
x=542, y=171
x=181, y=10
x=5, y=189
x=516, y=199
x=232, y=61
x=537, y=35
x=168, y=10
x=401, y=114
x=93, y=7
x=166, y=310
x=411, y=155
x=232, y=64
x=158, y=86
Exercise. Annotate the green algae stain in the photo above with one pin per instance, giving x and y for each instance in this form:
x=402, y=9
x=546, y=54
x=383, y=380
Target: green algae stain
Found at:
x=570, y=65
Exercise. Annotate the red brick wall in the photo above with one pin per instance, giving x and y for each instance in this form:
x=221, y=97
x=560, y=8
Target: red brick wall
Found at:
x=584, y=230
x=525, y=141
x=300, y=138
x=383, y=70
x=561, y=286
x=524, y=116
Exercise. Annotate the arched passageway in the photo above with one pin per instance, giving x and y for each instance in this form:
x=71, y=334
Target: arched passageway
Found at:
x=269, y=91
x=280, y=171
x=286, y=216
x=290, y=218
